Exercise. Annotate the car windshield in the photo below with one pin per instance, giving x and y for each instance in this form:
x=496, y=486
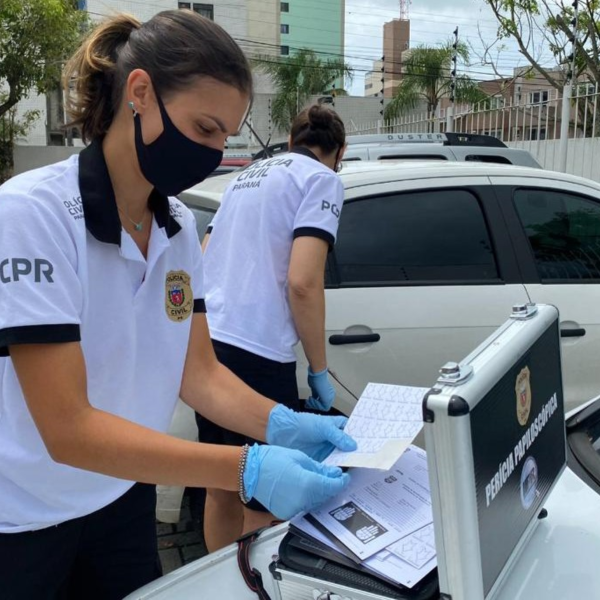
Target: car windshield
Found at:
x=583, y=436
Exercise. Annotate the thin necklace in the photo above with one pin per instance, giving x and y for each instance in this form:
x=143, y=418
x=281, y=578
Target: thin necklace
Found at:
x=137, y=225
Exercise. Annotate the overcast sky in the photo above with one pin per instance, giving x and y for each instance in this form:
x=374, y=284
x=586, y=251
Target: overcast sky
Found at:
x=432, y=23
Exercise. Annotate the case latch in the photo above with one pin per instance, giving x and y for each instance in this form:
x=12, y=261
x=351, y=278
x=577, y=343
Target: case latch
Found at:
x=454, y=373
x=523, y=311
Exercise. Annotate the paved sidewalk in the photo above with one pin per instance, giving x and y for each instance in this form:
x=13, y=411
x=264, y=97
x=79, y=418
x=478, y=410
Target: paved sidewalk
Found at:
x=183, y=542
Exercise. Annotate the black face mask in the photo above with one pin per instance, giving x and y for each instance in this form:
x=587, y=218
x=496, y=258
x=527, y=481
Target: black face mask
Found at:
x=173, y=163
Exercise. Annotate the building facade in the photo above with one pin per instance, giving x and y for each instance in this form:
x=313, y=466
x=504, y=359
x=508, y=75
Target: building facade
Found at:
x=319, y=26
x=373, y=84
x=396, y=41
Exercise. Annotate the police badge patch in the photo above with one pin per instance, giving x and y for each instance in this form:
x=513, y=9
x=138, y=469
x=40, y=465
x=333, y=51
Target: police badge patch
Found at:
x=179, y=300
x=523, y=391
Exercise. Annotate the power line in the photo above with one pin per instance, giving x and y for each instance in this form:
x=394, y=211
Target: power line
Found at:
x=242, y=41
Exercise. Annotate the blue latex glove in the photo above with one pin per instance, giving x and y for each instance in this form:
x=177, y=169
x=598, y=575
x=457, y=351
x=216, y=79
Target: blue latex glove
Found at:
x=315, y=435
x=288, y=482
x=323, y=393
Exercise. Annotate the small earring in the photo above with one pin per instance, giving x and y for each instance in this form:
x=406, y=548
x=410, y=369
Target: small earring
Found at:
x=132, y=107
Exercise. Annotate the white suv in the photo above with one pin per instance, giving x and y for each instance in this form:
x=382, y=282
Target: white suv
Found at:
x=431, y=256
x=467, y=147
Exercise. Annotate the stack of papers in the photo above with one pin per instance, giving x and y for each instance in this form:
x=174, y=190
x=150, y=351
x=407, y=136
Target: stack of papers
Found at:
x=382, y=522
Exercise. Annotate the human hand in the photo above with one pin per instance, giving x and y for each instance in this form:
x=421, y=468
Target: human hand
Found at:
x=288, y=482
x=323, y=393
x=315, y=435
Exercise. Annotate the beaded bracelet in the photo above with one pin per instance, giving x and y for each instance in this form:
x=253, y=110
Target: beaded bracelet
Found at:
x=241, y=469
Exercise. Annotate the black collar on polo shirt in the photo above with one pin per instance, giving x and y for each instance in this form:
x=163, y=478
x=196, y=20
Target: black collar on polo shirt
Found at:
x=98, y=199
x=305, y=152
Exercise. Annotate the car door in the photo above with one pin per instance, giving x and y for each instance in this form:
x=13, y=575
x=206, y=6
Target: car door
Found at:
x=556, y=228
x=421, y=273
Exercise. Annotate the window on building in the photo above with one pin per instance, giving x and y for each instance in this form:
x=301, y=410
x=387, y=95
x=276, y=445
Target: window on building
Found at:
x=285, y=50
x=438, y=236
x=564, y=233
x=285, y=28
x=204, y=10
x=285, y=7
x=496, y=102
x=538, y=97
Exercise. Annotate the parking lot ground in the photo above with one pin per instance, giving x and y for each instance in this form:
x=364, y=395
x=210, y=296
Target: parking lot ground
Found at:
x=183, y=542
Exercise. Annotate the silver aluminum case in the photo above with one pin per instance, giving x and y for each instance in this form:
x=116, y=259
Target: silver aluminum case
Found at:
x=450, y=458
x=295, y=586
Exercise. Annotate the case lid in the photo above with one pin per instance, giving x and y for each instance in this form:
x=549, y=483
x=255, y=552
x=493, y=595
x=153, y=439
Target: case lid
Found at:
x=510, y=405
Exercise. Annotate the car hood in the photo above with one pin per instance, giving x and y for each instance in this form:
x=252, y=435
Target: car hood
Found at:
x=559, y=561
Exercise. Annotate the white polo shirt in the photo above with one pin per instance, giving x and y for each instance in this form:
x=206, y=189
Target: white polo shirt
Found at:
x=69, y=272
x=263, y=210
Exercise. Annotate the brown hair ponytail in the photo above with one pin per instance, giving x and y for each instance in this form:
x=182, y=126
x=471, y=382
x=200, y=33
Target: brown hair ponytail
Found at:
x=89, y=77
x=319, y=126
x=174, y=48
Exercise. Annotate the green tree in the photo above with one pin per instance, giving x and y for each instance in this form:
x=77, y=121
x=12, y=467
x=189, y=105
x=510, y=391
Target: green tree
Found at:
x=36, y=36
x=11, y=130
x=426, y=77
x=298, y=77
x=542, y=26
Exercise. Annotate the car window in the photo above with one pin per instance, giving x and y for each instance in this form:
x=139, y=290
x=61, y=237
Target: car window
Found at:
x=412, y=157
x=564, y=234
x=434, y=236
x=488, y=158
x=583, y=439
x=203, y=218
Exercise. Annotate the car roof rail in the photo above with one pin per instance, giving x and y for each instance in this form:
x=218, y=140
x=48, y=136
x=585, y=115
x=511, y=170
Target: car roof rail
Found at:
x=447, y=139
x=397, y=138
x=473, y=139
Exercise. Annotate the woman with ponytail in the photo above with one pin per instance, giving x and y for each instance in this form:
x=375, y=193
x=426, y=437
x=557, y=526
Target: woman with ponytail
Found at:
x=103, y=325
x=264, y=279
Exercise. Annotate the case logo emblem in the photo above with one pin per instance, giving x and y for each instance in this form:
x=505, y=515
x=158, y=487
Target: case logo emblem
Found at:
x=179, y=300
x=523, y=391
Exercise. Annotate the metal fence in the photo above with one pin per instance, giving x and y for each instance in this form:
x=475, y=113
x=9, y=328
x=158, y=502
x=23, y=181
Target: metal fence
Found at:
x=534, y=125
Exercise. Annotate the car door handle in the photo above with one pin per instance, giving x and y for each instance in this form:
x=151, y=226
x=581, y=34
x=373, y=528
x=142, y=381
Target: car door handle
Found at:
x=364, y=338
x=568, y=333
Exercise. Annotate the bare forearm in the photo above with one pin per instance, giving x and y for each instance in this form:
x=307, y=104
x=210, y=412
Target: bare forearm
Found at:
x=223, y=398
x=308, y=311
x=104, y=443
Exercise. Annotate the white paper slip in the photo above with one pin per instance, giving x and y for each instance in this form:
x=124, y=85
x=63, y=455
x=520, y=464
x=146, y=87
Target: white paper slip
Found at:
x=378, y=508
x=385, y=421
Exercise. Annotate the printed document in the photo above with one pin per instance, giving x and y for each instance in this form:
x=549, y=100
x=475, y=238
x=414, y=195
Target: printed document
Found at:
x=378, y=508
x=385, y=421
x=385, y=564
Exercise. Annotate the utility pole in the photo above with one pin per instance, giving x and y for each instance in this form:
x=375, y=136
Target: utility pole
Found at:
x=450, y=111
x=568, y=91
x=270, y=121
x=381, y=110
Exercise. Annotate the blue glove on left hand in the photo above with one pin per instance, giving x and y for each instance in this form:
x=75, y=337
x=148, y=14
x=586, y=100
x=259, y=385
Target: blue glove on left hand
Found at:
x=288, y=482
x=323, y=393
x=315, y=435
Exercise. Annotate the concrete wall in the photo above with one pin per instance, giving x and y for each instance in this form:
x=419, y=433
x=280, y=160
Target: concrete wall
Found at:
x=31, y=157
